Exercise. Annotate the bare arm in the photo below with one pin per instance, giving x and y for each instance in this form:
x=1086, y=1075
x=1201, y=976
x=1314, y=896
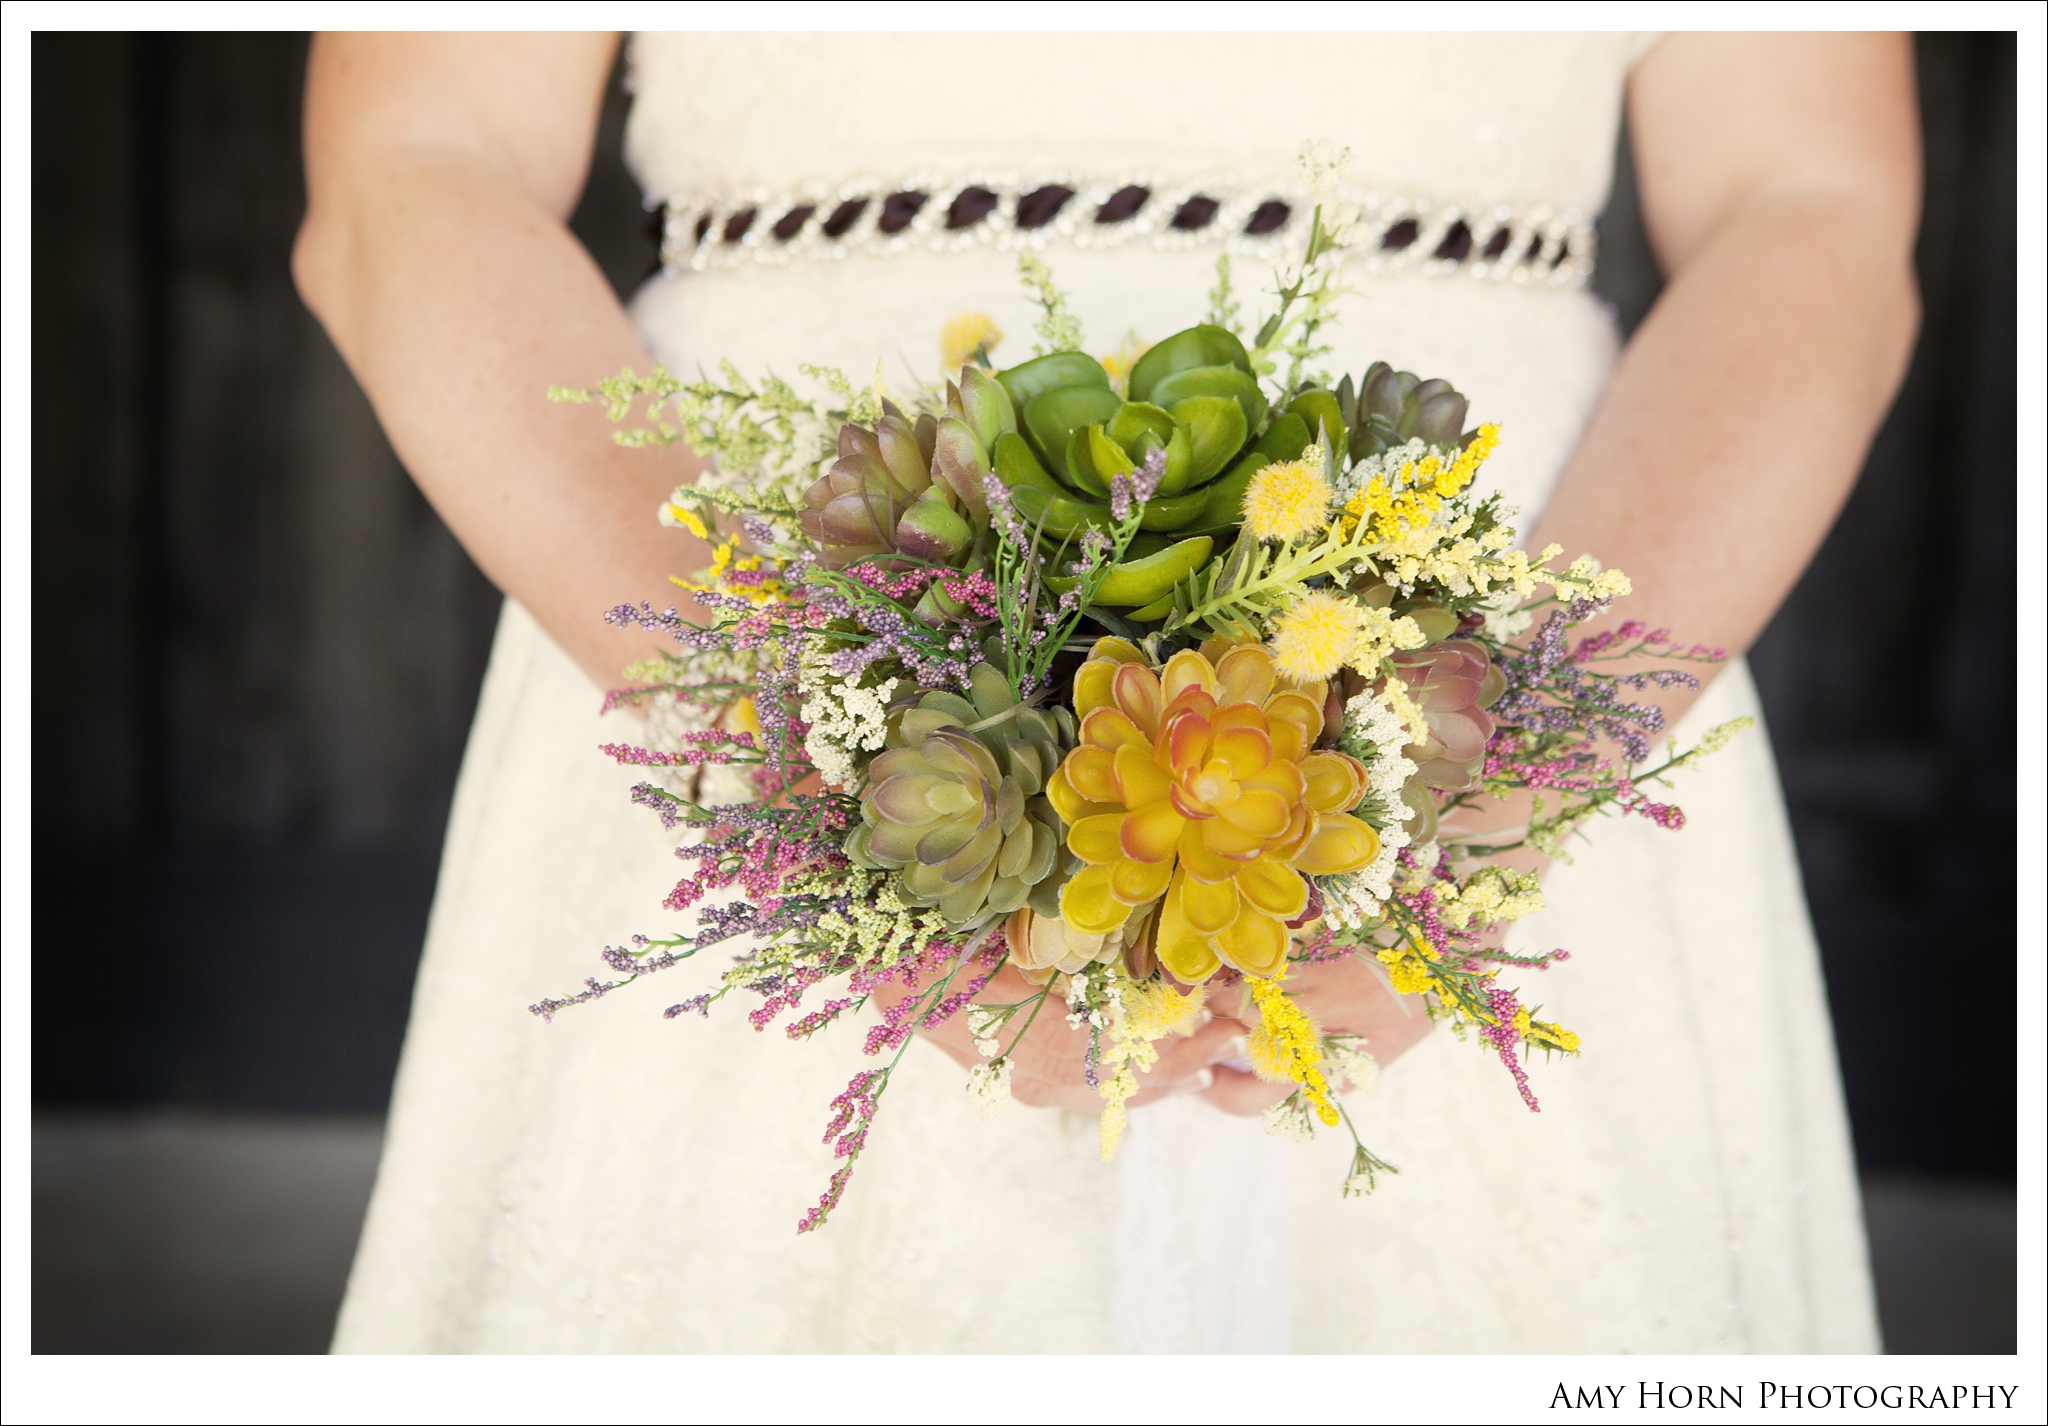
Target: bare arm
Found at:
x=441, y=172
x=1781, y=189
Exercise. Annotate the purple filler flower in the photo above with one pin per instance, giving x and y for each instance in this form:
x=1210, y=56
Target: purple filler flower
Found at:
x=1139, y=485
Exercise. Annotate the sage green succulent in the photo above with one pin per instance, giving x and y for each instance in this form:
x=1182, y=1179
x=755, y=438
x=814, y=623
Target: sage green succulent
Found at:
x=1385, y=409
x=956, y=803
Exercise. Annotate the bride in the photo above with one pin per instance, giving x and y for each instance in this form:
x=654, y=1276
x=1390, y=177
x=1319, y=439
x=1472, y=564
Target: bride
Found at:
x=617, y=1182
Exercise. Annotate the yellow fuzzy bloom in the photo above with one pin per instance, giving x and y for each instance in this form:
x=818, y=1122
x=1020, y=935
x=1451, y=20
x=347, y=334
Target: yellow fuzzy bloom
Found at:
x=1316, y=635
x=1293, y=1046
x=964, y=335
x=1288, y=500
x=1156, y=1009
x=1119, y=362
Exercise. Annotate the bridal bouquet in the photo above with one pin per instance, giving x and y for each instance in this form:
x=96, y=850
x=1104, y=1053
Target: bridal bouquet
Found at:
x=1142, y=675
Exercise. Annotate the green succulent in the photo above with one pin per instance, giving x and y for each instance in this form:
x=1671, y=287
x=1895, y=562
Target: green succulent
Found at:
x=956, y=802
x=1193, y=397
x=979, y=412
x=1056, y=432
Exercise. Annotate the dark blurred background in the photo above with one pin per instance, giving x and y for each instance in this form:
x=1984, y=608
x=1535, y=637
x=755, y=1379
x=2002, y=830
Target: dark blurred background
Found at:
x=256, y=652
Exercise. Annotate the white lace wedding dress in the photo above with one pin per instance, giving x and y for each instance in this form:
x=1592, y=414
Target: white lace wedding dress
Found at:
x=619, y=1182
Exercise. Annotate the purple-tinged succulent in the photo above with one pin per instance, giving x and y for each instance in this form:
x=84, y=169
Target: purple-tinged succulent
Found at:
x=911, y=488
x=1453, y=683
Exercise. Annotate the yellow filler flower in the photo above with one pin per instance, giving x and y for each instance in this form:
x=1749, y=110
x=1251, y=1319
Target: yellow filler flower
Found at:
x=1287, y=1045
x=1195, y=787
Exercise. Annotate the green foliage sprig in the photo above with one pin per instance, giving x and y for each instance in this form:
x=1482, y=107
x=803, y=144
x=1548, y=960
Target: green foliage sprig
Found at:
x=1236, y=595
x=764, y=435
x=1059, y=330
x=1223, y=303
x=1307, y=293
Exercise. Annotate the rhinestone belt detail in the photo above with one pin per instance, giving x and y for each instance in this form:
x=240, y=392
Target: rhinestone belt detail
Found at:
x=1534, y=244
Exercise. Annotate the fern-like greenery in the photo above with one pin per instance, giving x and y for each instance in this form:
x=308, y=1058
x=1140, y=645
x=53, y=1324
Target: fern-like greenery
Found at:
x=1233, y=597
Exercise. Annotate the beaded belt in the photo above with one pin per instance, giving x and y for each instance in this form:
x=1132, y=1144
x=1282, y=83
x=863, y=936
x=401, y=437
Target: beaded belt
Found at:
x=1535, y=244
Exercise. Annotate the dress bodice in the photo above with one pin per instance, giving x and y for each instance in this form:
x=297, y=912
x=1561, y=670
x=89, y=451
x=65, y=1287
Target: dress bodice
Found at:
x=1508, y=118
x=1514, y=132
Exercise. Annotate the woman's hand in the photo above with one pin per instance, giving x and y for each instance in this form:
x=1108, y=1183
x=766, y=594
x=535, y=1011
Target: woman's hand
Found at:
x=1049, y=1059
x=1352, y=996
x=1347, y=997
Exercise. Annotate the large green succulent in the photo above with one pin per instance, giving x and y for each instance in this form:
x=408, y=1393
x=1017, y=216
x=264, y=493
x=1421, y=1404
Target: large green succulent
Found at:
x=956, y=802
x=1193, y=397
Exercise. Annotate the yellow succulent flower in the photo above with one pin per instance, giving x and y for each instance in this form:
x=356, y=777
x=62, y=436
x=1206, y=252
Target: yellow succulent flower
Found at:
x=1288, y=500
x=1195, y=787
x=965, y=334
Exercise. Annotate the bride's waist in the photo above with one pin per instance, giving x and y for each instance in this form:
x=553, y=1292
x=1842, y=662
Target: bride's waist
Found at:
x=861, y=308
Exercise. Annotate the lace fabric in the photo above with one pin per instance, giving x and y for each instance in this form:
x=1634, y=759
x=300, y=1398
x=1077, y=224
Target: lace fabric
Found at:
x=1200, y=1252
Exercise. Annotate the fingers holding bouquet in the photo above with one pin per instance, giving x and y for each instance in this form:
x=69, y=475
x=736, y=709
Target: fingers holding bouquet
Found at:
x=1050, y=1058
x=1351, y=1003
